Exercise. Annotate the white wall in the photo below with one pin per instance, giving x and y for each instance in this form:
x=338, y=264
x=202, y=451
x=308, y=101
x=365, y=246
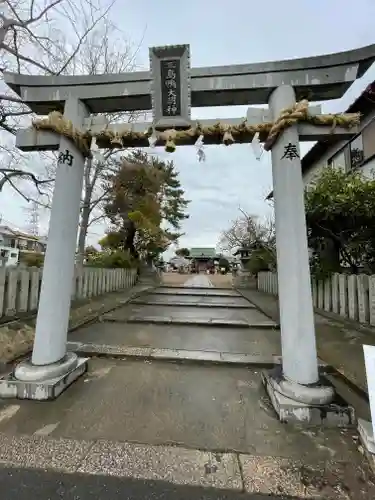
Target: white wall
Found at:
x=11, y=255
x=369, y=169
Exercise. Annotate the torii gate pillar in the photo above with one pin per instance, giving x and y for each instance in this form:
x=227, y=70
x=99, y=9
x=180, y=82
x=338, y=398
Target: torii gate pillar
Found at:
x=299, y=380
x=52, y=368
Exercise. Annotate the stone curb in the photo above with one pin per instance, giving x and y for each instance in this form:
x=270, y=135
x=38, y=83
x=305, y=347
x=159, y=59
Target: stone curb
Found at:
x=159, y=320
x=215, y=470
x=195, y=288
x=191, y=294
x=181, y=356
x=111, y=458
x=187, y=304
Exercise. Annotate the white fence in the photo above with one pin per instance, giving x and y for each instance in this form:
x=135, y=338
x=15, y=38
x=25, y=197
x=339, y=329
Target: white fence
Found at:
x=20, y=288
x=351, y=296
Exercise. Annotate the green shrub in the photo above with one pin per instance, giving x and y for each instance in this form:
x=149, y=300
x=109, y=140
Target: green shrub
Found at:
x=114, y=259
x=32, y=259
x=260, y=260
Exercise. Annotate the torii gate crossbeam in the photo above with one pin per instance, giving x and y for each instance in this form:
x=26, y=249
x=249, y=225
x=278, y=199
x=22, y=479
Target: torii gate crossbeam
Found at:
x=317, y=78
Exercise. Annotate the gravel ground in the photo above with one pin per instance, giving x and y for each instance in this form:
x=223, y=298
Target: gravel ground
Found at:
x=218, y=280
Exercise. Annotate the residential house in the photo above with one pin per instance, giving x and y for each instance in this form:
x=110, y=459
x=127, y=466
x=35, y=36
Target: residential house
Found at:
x=357, y=153
x=13, y=243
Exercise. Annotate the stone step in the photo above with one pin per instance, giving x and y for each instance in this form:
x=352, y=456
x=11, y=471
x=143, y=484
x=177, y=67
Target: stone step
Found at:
x=182, y=355
x=195, y=322
x=205, y=288
x=196, y=293
x=189, y=304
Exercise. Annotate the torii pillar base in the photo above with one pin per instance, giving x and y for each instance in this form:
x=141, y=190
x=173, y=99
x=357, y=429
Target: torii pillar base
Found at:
x=42, y=383
x=308, y=405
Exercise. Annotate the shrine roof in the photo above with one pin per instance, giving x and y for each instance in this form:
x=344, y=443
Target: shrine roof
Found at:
x=202, y=252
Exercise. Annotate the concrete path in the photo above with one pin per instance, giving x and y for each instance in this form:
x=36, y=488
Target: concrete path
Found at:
x=199, y=280
x=203, y=424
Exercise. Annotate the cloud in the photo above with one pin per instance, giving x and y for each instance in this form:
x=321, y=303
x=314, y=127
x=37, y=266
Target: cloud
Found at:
x=230, y=178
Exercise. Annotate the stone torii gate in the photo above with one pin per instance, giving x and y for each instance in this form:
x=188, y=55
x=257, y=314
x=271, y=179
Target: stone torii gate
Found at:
x=170, y=89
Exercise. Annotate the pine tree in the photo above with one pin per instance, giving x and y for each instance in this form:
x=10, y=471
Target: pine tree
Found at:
x=145, y=204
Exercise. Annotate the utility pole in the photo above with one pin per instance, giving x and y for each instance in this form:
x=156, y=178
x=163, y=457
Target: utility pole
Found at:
x=33, y=220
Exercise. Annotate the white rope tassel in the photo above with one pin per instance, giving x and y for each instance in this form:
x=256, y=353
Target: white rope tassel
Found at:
x=152, y=140
x=257, y=146
x=200, y=152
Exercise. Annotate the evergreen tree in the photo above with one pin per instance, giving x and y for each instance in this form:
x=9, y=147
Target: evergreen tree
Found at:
x=145, y=205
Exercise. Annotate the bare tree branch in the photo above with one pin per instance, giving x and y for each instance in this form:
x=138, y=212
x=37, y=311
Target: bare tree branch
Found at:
x=8, y=173
x=247, y=231
x=83, y=38
x=23, y=23
x=30, y=42
x=58, y=37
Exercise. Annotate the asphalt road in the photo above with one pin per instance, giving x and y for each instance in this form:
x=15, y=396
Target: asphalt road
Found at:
x=34, y=484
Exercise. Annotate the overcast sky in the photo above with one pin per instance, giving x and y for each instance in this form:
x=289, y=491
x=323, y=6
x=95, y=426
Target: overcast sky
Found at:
x=220, y=33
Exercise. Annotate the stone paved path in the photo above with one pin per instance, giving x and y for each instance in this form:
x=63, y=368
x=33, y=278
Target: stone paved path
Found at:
x=186, y=322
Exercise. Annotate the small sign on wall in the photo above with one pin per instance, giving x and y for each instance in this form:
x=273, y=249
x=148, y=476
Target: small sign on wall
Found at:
x=170, y=86
x=369, y=353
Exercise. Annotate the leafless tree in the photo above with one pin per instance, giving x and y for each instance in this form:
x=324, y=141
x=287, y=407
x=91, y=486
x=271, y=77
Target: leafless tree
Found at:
x=31, y=41
x=37, y=37
x=248, y=231
x=105, y=51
